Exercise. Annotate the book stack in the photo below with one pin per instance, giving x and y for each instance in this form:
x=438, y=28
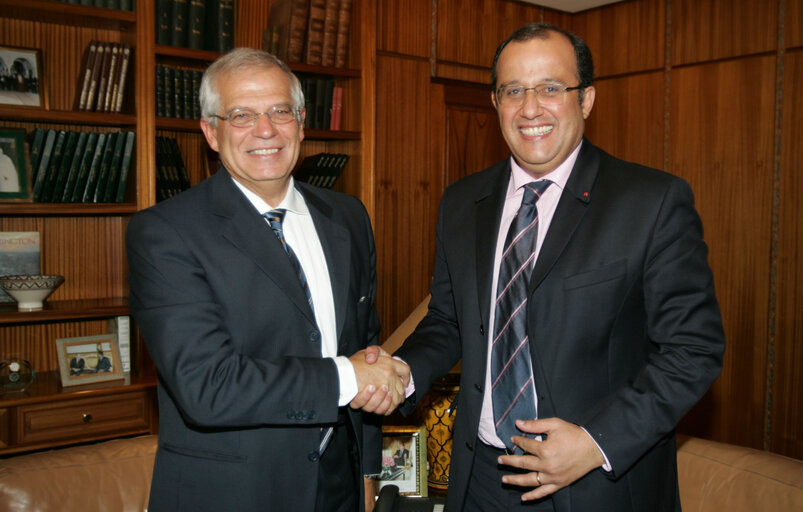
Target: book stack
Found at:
x=195, y=24
x=122, y=5
x=322, y=169
x=177, y=93
x=310, y=31
x=324, y=103
x=171, y=175
x=80, y=167
x=102, y=82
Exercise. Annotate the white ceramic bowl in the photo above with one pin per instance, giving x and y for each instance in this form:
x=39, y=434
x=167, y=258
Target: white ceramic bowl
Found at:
x=30, y=290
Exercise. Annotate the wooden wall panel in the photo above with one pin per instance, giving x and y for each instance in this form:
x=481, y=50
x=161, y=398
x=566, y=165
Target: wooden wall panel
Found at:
x=787, y=391
x=407, y=187
x=404, y=26
x=628, y=118
x=793, y=22
x=624, y=38
x=729, y=163
x=720, y=29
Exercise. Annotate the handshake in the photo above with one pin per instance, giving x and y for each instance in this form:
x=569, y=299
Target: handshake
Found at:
x=381, y=381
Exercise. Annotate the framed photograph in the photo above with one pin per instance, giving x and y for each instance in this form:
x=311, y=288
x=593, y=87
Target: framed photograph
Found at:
x=21, y=77
x=404, y=459
x=15, y=176
x=89, y=359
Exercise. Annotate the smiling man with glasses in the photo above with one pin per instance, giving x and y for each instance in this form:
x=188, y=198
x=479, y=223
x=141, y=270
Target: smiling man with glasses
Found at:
x=576, y=290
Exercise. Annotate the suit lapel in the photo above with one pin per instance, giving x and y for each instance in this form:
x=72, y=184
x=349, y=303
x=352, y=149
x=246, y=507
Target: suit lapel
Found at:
x=248, y=231
x=570, y=210
x=490, y=202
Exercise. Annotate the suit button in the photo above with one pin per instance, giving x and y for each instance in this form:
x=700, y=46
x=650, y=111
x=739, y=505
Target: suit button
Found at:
x=314, y=336
x=482, y=330
x=313, y=456
x=469, y=446
x=478, y=387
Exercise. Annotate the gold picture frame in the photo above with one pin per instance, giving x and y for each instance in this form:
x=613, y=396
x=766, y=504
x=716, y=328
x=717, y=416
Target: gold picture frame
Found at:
x=21, y=80
x=89, y=359
x=404, y=459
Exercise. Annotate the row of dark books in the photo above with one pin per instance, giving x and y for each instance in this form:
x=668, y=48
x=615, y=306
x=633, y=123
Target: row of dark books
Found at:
x=310, y=31
x=123, y=5
x=177, y=93
x=196, y=24
x=322, y=169
x=80, y=167
x=101, y=86
x=171, y=175
x=324, y=103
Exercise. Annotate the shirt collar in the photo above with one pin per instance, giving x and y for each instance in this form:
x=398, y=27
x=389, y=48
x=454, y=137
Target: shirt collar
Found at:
x=293, y=200
x=519, y=177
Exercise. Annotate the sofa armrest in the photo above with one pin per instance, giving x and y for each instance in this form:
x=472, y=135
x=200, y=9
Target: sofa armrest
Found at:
x=113, y=475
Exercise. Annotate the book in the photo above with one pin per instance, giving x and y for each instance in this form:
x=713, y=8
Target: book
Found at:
x=96, y=190
x=164, y=11
x=19, y=254
x=313, y=52
x=83, y=194
x=53, y=167
x=182, y=179
x=196, y=20
x=219, y=29
x=125, y=167
x=178, y=103
x=330, y=23
x=119, y=84
x=73, y=193
x=160, y=91
x=106, y=192
x=44, y=163
x=52, y=192
x=343, y=29
x=104, y=102
x=325, y=104
x=90, y=54
x=186, y=94
x=337, y=108
x=35, y=148
x=167, y=92
x=289, y=19
x=75, y=167
x=120, y=327
x=97, y=65
x=196, y=100
x=109, y=52
x=309, y=86
x=178, y=23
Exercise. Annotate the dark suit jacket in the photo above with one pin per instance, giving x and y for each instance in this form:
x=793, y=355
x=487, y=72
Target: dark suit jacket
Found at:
x=243, y=388
x=624, y=327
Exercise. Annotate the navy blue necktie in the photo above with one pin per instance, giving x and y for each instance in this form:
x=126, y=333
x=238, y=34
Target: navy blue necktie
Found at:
x=275, y=218
x=513, y=390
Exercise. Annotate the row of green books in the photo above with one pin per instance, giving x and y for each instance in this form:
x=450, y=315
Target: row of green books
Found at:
x=177, y=93
x=80, y=167
x=196, y=24
x=123, y=5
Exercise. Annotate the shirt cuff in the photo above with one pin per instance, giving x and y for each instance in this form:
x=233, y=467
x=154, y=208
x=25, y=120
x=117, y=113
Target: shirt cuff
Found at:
x=410, y=389
x=348, y=380
x=607, y=465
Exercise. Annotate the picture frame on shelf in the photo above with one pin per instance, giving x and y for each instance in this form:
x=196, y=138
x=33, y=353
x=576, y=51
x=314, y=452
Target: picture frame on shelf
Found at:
x=15, y=175
x=89, y=359
x=21, y=81
x=404, y=459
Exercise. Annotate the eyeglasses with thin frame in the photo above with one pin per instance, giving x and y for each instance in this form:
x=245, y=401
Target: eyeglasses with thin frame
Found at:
x=546, y=94
x=245, y=117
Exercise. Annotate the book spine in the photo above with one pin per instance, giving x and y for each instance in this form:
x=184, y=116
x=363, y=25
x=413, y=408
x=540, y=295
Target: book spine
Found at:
x=89, y=62
x=97, y=66
x=343, y=29
x=125, y=167
x=44, y=162
x=119, y=95
x=75, y=167
x=178, y=34
x=109, y=191
x=164, y=11
x=73, y=193
x=85, y=194
x=111, y=79
x=56, y=190
x=53, y=167
x=195, y=24
x=96, y=194
x=330, y=24
x=317, y=15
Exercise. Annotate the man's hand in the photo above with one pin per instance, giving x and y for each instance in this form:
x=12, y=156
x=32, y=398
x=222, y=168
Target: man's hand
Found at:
x=380, y=379
x=567, y=454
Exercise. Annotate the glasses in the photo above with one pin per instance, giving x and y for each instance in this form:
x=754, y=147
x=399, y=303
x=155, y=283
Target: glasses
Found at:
x=245, y=117
x=547, y=94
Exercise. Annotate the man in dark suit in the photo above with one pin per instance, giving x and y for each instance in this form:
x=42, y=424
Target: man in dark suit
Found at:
x=250, y=290
x=615, y=332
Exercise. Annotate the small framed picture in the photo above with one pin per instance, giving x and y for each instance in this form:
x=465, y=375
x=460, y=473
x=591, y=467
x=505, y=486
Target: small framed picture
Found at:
x=15, y=176
x=404, y=459
x=21, y=77
x=89, y=359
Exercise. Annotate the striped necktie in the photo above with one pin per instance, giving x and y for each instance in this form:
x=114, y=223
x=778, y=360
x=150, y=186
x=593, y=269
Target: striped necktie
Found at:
x=513, y=390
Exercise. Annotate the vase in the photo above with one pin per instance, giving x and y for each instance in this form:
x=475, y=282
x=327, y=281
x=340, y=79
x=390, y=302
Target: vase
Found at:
x=437, y=412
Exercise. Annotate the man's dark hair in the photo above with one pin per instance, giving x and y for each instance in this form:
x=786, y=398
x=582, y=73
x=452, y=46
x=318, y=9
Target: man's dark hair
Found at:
x=585, y=63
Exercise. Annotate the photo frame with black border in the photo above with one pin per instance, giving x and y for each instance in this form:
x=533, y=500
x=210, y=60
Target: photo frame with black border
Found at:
x=89, y=359
x=15, y=175
x=21, y=80
x=404, y=459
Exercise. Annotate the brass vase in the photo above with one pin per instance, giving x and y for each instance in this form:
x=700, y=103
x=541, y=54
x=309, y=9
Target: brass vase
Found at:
x=437, y=412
